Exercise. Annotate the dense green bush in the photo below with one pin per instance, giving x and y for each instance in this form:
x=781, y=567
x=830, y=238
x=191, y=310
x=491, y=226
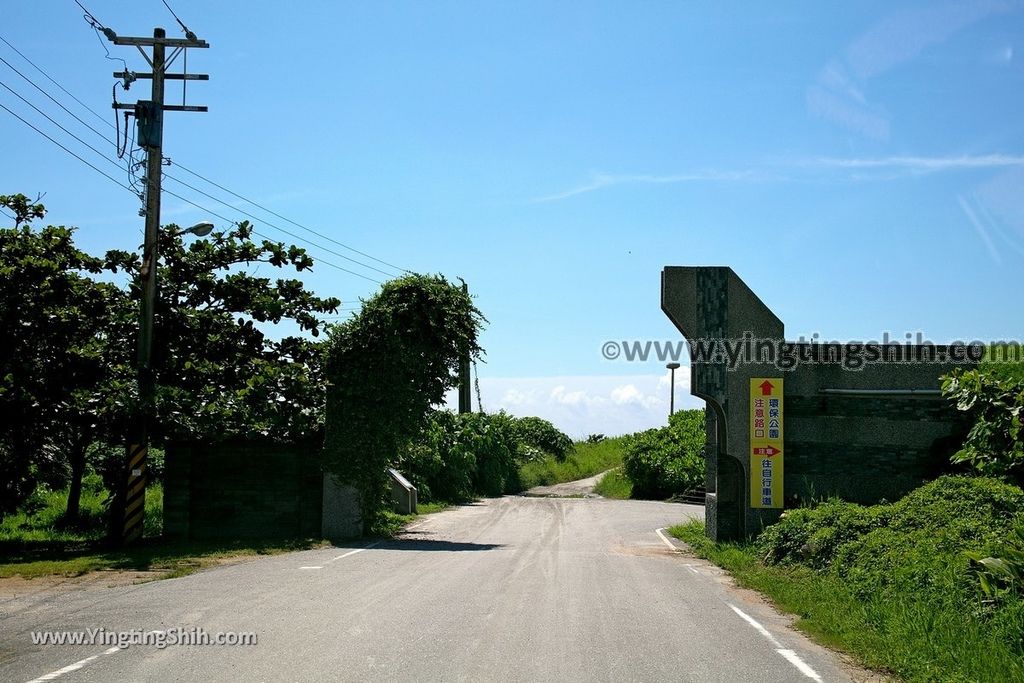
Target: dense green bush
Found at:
x=913, y=566
x=435, y=467
x=917, y=544
x=961, y=510
x=536, y=434
x=995, y=444
x=662, y=462
x=461, y=456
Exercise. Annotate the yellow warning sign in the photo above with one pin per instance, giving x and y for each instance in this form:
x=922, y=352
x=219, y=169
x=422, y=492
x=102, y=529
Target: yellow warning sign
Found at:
x=766, y=442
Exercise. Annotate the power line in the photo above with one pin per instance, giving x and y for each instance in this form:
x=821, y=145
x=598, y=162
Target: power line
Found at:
x=54, y=122
x=273, y=225
x=52, y=99
x=284, y=218
x=265, y=237
x=108, y=177
x=197, y=174
x=173, y=194
x=188, y=33
x=62, y=88
x=186, y=169
x=98, y=27
x=104, y=156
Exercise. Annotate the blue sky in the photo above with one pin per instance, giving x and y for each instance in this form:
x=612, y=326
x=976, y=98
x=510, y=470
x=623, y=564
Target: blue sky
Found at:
x=860, y=165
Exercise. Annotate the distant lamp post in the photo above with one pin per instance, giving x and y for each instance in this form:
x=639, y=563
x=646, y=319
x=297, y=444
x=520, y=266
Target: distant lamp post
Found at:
x=672, y=390
x=133, y=499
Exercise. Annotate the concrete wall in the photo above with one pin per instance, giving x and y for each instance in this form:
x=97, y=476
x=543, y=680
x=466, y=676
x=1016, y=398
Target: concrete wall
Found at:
x=242, y=490
x=862, y=447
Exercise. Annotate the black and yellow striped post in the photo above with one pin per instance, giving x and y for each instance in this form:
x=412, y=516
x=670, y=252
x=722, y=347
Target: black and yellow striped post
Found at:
x=135, y=493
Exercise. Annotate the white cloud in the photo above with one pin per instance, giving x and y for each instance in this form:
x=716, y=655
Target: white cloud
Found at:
x=585, y=404
x=922, y=164
x=602, y=180
x=839, y=92
x=854, y=168
x=979, y=227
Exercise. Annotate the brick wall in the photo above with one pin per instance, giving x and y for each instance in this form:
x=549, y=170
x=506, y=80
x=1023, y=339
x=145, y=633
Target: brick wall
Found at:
x=242, y=490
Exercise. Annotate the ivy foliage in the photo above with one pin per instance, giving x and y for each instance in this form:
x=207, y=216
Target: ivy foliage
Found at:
x=387, y=366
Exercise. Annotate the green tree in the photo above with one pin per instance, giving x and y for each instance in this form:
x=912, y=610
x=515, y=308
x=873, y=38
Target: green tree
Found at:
x=387, y=366
x=68, y=379
x=54, y=329
x=219, y=374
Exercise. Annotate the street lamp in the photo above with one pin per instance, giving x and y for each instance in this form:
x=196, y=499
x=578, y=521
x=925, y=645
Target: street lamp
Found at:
x=131, y=506
x=672, y=391
x=201, y=229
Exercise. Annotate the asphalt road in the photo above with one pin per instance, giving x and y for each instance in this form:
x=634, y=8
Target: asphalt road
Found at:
x=510, y=589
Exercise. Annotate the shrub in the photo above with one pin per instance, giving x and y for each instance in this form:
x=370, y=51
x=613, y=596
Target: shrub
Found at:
x=586, y=460
x=995, y=444
x=669, y=460
x=916, y=545
x=534, y=434
x=435, y=467
x=813, y=535
x=1002, y=571
x=460, y=456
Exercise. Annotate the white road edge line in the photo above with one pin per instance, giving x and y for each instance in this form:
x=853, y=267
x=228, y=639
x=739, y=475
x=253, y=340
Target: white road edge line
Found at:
x=794, y=659
x=692, y=569
x=789, y=655
x=665, y=540
x=74, y=667
x=753, y=622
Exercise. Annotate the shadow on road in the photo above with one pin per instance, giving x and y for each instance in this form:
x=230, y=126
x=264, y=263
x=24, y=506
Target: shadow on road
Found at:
x=436, y=546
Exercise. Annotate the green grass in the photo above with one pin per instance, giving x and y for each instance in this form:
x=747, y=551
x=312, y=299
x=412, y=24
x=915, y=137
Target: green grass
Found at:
x=390, y=523
x=156, y=555
x=587, y=460
x=35, y=541
x=615, y=484
x=911, y=637
x=41, y=518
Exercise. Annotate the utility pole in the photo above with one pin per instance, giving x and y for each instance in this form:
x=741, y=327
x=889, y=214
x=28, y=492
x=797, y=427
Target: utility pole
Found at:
x=149, y=117
x=465, y=398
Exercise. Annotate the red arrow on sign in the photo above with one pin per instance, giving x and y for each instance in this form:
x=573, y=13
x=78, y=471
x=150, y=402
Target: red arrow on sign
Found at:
x=767, y=450
x=766, y=388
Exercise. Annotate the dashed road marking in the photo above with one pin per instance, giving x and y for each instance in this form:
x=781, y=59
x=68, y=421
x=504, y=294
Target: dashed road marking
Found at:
x=353, y=552
x=74, y=667
x=789, y=655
